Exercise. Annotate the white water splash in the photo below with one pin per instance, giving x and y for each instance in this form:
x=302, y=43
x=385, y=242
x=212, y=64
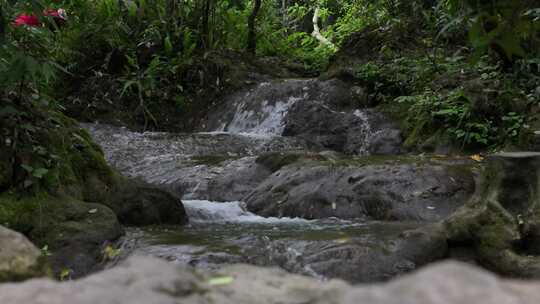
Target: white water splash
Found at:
x=268, y=120
x=201, y=211
x=367, y=132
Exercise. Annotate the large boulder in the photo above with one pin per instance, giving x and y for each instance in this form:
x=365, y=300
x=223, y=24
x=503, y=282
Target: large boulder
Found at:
x=76, y=233
x=19, y=258
x=237, y=180
x=73, y=231
x=138, y=203
x=211, y=166
x=378, y=253
x=375, y=188
x=359, y=132
x=262, y=107
x=146, y=280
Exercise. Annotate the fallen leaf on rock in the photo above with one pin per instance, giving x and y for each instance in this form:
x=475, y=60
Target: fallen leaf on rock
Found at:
x=343, y=240
x=216, y=281
x=477, y=157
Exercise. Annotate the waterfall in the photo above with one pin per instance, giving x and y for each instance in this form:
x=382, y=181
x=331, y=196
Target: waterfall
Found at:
x=202, y=211
x=268, y=120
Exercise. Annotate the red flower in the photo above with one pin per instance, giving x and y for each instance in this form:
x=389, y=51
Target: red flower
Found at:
x=52, y=12
x=59, y=16
x=29, y=20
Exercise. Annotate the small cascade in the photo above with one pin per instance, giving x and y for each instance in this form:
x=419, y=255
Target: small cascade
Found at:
x=268, y=120
x=202, y=211
x=367, y=132
x=261, y=110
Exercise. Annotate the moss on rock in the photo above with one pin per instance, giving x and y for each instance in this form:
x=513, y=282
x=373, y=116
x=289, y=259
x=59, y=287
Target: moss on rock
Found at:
x=19, y=258
x=58, y=190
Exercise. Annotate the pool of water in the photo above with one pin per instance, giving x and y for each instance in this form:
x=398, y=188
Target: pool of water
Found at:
x=224, y=233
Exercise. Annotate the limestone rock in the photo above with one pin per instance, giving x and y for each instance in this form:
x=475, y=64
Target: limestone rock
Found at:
x=373, y=188
x=146, y=280
x=19, y=258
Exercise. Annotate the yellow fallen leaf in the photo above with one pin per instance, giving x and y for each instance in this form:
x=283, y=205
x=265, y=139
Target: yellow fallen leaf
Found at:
x=225, y=280
x=65, y=274
x=477, y=157
x=343, y=240
x=110, y=253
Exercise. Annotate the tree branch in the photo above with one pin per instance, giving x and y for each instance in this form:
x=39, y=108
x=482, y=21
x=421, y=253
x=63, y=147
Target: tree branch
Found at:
x=317, y=31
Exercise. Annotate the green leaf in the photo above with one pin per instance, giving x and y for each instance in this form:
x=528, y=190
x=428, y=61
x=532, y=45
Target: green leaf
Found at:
x=217, y=281
x=28, y=168
x=39, y=172
x=65, y=274
x=168, y=45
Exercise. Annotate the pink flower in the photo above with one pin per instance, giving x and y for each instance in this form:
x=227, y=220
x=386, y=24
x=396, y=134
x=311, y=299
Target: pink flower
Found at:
x=59, y=16
x=29, y=20
x=51, y=12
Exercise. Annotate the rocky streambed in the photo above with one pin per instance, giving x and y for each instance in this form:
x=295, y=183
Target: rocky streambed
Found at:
x=295, y=174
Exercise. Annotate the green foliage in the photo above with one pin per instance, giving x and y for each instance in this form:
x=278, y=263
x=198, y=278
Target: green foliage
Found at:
x=451, y=112
x=475, y=106
x=500, y=25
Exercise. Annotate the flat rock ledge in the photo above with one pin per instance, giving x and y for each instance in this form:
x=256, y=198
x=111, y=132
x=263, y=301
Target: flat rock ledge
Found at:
x=148, y=280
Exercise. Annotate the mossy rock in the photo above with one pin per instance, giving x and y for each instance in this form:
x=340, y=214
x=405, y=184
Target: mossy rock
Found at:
x=73, y=231
x=277, y=160
x=19, y=258
x=138, y=203
x=75, y=206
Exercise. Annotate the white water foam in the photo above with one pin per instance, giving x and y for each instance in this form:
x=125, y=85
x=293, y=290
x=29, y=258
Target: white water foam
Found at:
x=368, y=133
x=201, y=211
x=267, y=121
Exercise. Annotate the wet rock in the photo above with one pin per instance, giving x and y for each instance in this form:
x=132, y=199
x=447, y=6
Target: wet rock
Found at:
x=388, y=251
x=237, y=180
x=372, y=188
x=145, y=280
x=138, y=203
x=75, y=233
x=447, y=283
x=19, y=258
x=362, y=132
x=215, y=166
x=261, y=108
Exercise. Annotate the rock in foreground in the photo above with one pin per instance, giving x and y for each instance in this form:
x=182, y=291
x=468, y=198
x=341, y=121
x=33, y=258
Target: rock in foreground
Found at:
x=146, y=280
x=19, y=259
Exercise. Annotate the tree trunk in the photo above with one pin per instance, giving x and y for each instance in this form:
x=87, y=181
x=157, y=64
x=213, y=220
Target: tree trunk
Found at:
x=502, y=221
x=2, y=26
x=252, y=33
x=205, y=28
x=316, y=30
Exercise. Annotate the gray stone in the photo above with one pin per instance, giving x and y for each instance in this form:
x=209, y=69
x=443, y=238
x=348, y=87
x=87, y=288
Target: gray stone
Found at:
x=138, y=203
x=192, y=166
x=75, y=233
x=19, y=258
x=360, y=132
x=372, y=188
x=448, y=283
x=254, y=103
x=381, y=252
x=146, y=280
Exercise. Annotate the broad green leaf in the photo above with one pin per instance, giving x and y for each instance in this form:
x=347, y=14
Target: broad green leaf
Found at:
x=39, y=172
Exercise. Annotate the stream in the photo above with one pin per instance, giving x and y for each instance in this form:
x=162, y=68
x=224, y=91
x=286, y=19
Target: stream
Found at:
x=339, y=212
